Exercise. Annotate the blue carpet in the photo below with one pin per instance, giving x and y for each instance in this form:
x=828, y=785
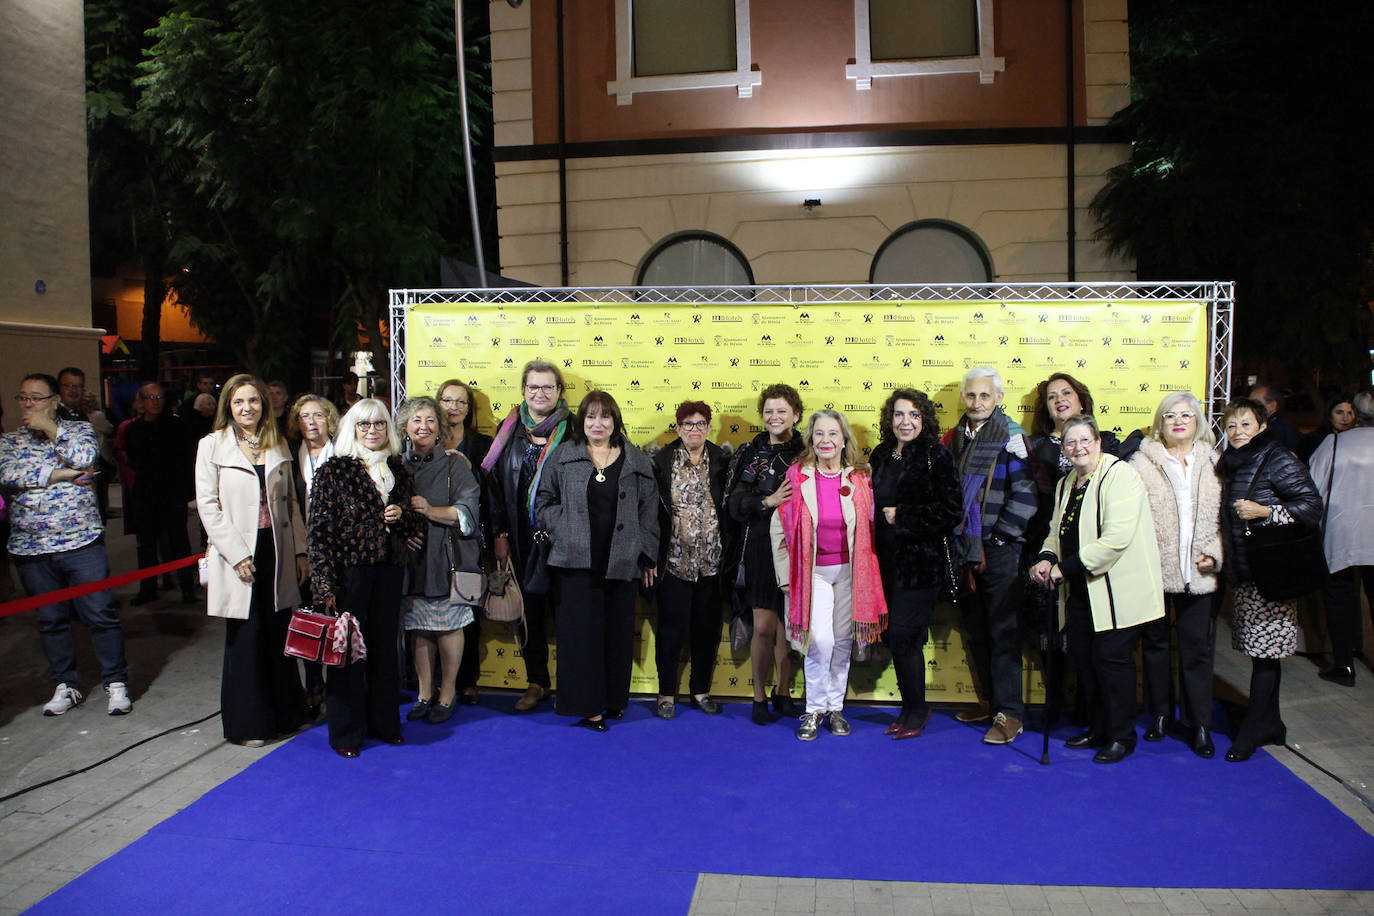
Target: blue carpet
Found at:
x=500, y=813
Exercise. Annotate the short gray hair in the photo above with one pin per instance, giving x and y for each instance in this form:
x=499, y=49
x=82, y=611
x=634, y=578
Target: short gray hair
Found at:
x=1363, y=402
x=408, y=409
x=982, y=372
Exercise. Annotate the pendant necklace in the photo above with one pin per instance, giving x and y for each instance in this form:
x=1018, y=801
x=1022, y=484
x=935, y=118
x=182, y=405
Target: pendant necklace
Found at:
x=600, y=469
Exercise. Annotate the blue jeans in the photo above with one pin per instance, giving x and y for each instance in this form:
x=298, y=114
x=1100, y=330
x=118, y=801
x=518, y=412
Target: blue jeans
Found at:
x=51, y=571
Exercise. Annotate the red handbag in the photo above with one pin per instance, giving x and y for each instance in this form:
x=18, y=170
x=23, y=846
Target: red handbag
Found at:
x=323, y=638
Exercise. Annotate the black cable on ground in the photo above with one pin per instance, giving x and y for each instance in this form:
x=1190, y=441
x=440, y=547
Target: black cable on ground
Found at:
x=1364, y=799
x=87, y=769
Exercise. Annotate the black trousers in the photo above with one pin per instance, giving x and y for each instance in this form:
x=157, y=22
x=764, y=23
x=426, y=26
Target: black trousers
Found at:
x=596, y=641
x=1341, y=595
x=908, y=624
x=260, y=690
x=1105, y=664
x=1196, y=627
x=158, y=520
x=364, y=697
x=687, y=608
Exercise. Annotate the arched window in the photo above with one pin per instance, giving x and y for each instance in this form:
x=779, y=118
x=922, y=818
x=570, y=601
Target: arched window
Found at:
x=697, y=259
x=931, y=251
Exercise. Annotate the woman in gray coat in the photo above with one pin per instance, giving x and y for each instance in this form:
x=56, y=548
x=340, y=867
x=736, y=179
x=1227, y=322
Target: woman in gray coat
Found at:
x=598, y=503
x=437, y=604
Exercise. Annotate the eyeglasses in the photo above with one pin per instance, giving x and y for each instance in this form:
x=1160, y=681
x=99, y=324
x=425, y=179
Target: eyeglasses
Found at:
x=152, y=397
x=371, y=424
x=547, y=389
x=1179, y=417
x=30, y=399
x=453, y=402
x=694, y=424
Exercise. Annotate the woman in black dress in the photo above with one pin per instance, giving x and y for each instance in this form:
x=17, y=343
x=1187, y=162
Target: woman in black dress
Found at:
x=757, y=487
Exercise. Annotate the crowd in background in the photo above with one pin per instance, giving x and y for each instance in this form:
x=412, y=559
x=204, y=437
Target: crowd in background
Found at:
x=1090, y=548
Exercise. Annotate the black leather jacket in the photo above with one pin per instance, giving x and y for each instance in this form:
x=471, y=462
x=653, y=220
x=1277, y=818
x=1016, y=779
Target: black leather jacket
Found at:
x=1278, y=478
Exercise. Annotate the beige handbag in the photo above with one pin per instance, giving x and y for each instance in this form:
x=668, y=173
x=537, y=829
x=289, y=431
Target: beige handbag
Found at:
x=505, y=603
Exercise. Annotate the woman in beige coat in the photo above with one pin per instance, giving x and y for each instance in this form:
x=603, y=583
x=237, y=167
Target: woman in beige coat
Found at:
x=1178, y=467
x=255, y=562
x=1101, y=554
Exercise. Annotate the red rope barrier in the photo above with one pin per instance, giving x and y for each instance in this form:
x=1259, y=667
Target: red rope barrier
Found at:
x=76, y=591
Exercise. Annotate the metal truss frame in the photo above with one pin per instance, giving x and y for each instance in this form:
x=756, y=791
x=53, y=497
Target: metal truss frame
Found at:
x=1218, y=294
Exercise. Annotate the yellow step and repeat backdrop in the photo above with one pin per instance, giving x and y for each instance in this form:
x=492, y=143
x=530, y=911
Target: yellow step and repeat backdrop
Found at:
x=842, y=355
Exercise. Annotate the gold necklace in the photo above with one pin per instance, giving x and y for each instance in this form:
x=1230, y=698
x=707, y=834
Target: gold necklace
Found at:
x=600, y=469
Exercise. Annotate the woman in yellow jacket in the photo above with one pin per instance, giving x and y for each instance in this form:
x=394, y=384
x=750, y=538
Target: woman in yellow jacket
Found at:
x=1101, y=554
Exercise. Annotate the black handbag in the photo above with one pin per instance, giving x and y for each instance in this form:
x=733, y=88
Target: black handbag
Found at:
x=1286, y=563
x=538, y=580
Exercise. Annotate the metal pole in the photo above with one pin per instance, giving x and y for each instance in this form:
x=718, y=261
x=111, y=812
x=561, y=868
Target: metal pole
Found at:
x=467, y=145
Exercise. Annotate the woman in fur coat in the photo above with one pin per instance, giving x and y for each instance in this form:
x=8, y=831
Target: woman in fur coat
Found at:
x=1178, y=467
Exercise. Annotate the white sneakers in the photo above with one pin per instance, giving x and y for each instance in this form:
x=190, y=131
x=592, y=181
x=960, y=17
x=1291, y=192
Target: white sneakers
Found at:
x=119, y=704
x=63, y=699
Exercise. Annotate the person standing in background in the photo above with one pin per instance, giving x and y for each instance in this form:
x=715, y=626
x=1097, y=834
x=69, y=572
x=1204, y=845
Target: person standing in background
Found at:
x=159, y=451
x=55, y=540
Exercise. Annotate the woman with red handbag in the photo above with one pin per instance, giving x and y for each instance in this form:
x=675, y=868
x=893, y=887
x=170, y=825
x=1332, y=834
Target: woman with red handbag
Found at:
x=360, y=526
x=254, y=563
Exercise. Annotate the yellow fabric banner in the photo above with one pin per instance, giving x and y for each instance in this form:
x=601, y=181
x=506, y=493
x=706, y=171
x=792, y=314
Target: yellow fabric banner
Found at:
x=842, y=355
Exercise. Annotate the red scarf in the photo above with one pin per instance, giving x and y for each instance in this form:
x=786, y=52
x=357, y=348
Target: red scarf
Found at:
x=869, y=607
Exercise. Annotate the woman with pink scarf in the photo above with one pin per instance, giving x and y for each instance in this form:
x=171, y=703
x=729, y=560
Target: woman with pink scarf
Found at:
x=826, y=565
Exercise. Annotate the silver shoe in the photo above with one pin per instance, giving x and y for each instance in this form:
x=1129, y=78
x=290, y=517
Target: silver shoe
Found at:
x=810, y=725
x=838, y=724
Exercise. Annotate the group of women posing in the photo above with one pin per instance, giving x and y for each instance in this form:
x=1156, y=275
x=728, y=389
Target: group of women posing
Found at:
x=822, y=550
x=357, y=523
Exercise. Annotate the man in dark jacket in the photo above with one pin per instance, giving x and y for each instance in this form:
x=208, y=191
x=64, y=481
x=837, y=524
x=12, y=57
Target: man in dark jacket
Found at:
x=162, y=456
x=1281, y=429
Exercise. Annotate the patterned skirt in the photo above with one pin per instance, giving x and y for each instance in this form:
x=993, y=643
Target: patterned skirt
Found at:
x=1262, y=628
x=435, y=614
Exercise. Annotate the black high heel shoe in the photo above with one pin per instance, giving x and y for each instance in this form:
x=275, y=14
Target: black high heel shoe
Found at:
x=760, y=713
x=785, y=706
x=596, y=725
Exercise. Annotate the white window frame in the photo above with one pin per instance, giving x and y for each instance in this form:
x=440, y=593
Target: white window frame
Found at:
x=626, y=84
x=863, y=71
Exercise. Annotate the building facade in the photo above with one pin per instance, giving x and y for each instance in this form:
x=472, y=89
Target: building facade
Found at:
x=805, y=141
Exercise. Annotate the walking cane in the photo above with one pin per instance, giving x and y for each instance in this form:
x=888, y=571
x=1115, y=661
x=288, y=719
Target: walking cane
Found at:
x=1047, y=654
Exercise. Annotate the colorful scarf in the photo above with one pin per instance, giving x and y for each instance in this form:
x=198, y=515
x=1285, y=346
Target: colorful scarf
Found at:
x=553, y=428
x=977, y=460
x=868, y=607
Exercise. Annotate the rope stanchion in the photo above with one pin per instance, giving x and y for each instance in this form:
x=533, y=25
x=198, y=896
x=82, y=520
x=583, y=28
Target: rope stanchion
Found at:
x=76, y=591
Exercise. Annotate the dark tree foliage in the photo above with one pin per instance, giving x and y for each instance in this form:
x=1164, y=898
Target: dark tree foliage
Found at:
x=1251, y=131
x=128, y=194
x=324, y=165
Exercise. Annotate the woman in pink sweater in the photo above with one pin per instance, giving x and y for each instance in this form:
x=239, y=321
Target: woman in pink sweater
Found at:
x=823, y=554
